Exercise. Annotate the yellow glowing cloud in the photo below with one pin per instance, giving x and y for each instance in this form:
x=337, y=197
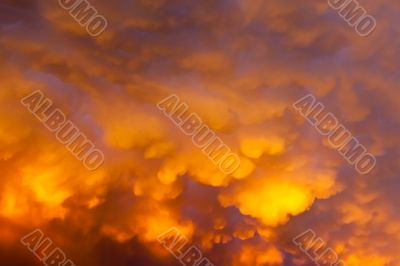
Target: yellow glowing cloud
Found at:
x=256, y=256
x=272, y=202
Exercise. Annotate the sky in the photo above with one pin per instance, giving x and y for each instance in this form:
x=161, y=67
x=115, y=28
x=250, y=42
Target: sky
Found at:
x=239, y=65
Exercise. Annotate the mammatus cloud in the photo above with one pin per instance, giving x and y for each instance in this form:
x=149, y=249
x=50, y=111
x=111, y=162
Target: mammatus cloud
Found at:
x=240, y=66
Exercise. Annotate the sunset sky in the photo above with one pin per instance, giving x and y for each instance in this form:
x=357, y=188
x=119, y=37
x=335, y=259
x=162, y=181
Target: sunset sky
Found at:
x=239, y=65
